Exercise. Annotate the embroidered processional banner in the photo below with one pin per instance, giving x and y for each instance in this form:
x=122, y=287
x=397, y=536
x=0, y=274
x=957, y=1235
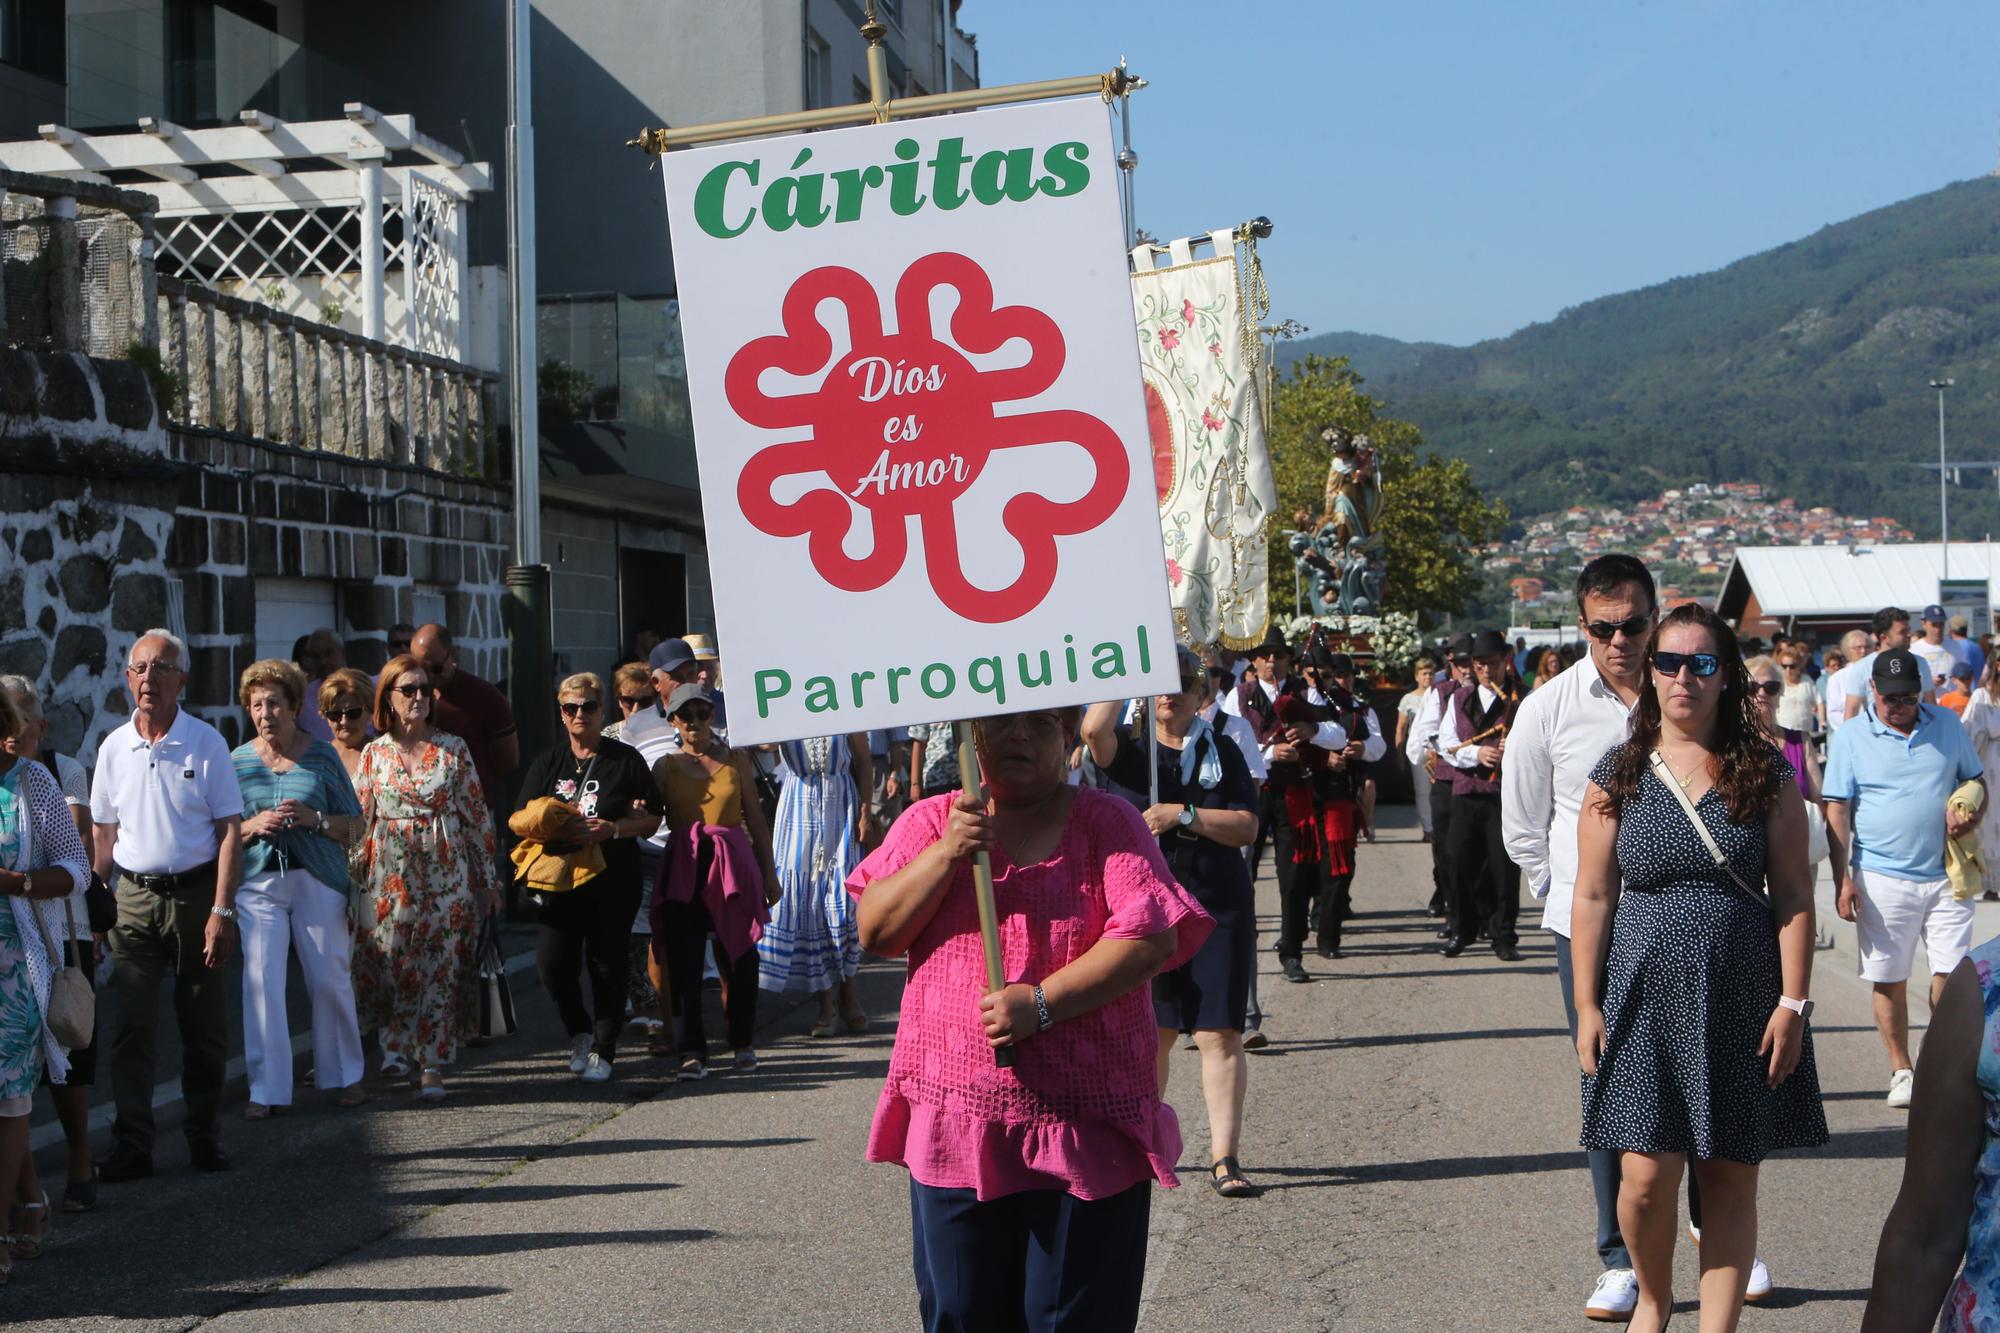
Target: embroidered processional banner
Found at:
x=1211, y=467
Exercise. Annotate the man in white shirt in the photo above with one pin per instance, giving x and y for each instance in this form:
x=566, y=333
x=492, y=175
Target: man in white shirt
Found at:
x=1471, y=742
x=1890, y=629
x=1933, y=649
x=165, y=809
x=1422, y=750
x=1560, y=733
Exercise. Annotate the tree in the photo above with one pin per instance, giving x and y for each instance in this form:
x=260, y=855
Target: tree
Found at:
x=1432, y=512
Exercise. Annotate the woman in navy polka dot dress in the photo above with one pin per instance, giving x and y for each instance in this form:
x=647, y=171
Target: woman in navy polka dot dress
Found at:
x=1690, y=991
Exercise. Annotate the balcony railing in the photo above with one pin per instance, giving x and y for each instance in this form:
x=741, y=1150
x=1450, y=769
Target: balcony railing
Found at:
x=256, y=371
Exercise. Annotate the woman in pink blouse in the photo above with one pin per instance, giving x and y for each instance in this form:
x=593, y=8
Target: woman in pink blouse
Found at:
x=1030, y=1186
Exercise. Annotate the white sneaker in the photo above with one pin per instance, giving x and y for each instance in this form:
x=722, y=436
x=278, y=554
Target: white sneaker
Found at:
x=1900, y=1084
x=596, y=1069
x=579, y=1053
x=1759, y=1286
x=1614, y=1297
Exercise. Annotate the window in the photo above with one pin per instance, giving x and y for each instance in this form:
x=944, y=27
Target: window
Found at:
x=819, y=71
x=861, y=92
x=31, y=36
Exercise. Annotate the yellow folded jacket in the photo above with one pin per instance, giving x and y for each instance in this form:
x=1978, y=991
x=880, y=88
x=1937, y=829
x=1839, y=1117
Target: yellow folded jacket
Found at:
x=1964, y=862
x=545, y=871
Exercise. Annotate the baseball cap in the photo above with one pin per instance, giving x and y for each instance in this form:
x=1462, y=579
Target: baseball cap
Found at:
x=670, y=654
x=689, y=693
x=1897, y=671
x=1960, y=623
x=1962, y=670
x=1934, y=614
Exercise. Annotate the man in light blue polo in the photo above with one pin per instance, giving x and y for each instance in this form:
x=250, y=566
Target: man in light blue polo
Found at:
x=1888, y=779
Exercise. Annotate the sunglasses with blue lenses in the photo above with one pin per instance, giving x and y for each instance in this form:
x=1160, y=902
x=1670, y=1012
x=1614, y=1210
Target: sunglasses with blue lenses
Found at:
x=1702, y=664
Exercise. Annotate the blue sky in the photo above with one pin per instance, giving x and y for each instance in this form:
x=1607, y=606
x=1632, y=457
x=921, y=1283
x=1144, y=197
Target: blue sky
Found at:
x=1453, y=171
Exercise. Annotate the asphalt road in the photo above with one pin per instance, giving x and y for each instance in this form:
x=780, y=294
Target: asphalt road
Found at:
x=1413, y=1122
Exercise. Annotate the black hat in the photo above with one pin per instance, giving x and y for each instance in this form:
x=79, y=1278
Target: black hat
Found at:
x=1335, y=664
x=1489, y=643
x=1457, y=646
x=1897, y=671
x=1272, y=642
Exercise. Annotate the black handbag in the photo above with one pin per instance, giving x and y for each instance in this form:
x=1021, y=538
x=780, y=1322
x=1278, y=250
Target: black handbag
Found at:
x=496, y=997
x=100, y=906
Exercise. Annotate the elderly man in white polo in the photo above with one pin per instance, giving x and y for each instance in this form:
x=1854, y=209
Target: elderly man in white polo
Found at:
x=165, y=806
x=1889, y=776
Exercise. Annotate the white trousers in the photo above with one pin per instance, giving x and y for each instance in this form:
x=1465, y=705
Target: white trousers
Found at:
x=276, y=914
x=1422, y=782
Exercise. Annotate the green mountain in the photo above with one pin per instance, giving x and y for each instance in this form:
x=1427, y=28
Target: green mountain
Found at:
x=1806, y=367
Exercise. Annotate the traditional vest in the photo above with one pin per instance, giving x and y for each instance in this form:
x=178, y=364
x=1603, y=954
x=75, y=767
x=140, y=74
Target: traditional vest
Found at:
x=1473, y=719
x=1262, y=715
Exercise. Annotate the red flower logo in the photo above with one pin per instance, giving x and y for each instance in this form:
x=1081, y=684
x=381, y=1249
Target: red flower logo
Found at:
x=902, y=425
x=1170, y=337
x=1173, y=571
x=1212, y=421
x=1187, y=312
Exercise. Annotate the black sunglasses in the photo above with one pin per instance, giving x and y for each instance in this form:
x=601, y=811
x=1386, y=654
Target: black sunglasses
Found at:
x=1774, y=688
x=636, y=700
x=343, y=715
x=1702, y=664
x=1603, y=630
x=1894, y=700
x=584, y=709
x=414, y=691
x=695, y=713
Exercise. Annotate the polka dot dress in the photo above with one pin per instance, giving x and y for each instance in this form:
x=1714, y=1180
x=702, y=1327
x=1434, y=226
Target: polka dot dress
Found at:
x=1689, y=986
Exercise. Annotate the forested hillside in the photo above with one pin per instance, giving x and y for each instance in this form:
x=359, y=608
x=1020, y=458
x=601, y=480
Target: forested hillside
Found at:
x=1806, y=368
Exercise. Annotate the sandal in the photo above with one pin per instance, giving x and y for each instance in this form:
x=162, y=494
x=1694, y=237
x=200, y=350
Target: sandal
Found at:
x=430, y=1087
x=352, y=1095
x=1232, y=1183
x=80, y=1196
x=855, y=1022
x=256, y=1111
x=32, y=1223
x=822, y=1027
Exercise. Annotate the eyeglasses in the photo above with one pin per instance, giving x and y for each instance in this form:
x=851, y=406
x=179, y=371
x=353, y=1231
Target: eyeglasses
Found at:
x=414, y=691
x=581, y=709
x=1604, y=630
x=1895, y=700
x=153, y=668
x=342, y=716
x=1702, y=664
x=1774, y=688
x=631, y=701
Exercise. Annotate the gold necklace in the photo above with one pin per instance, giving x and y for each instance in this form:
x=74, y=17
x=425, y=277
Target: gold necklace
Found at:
x=1691, y=773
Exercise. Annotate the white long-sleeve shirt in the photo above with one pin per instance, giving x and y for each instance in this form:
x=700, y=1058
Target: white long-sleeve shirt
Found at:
x=1424, y=731
x=1330, y=736
x=1333, y=736
x=1448, y=746
x=1558, y=736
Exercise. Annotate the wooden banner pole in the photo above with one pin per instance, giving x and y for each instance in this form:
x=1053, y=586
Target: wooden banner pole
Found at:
x=982, y=880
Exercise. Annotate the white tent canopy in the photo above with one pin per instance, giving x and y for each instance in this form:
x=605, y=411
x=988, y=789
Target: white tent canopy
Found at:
x=318, y=217
x=1852, y=582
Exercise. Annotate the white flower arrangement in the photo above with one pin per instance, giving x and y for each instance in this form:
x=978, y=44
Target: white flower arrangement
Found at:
x=1393, y=638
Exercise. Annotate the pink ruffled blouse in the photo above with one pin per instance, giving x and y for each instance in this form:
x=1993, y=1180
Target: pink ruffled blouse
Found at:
x=1080, y=1110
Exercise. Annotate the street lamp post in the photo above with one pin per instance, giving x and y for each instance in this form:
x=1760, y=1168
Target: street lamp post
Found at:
x=1944, y=496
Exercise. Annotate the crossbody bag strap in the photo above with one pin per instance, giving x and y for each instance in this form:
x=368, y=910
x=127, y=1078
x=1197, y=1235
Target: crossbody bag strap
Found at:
x=1667, y=779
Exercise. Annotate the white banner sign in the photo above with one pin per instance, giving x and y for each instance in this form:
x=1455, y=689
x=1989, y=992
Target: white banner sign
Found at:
x=918, y=414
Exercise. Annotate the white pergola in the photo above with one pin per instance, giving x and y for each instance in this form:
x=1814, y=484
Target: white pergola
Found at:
x=318, y=218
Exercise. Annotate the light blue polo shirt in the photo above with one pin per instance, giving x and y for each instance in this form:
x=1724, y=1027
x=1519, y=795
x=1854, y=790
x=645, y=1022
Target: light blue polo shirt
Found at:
x=1896, y=787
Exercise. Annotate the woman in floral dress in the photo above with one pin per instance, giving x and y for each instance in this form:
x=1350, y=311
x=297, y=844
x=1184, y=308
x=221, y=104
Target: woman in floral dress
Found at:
x=428, y=862
x=811, y=943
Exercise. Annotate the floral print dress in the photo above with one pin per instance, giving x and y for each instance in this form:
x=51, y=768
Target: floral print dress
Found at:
x=1973, y=1305
x=427, y=855
x=20, y=1015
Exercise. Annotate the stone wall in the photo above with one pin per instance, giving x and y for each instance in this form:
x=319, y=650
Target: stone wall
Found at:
x=112, y=522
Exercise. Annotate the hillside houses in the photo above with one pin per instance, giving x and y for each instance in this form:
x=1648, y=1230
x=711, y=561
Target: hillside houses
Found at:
x=1688, y=535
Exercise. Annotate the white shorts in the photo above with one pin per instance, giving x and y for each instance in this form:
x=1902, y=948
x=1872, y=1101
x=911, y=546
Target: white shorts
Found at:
x=1894, y=913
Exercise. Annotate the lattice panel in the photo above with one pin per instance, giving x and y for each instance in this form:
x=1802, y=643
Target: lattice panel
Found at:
x=429, y=254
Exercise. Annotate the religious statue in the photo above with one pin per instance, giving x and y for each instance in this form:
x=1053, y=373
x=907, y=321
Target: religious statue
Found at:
x=1343, y=547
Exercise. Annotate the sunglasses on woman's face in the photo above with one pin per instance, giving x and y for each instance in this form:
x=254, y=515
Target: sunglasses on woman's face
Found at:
x=695, y=713
x=1604, y=630
x=583, y=708
x=340, y=717
x=414, y=691
x=1774, y=688
x=628, y=702
x=1702, y=664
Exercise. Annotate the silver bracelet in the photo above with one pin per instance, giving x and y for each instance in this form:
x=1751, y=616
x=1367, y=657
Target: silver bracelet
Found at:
x=1044, y=1020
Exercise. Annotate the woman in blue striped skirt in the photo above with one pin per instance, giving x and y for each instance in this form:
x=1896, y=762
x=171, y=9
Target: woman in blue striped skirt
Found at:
x=812, y=943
